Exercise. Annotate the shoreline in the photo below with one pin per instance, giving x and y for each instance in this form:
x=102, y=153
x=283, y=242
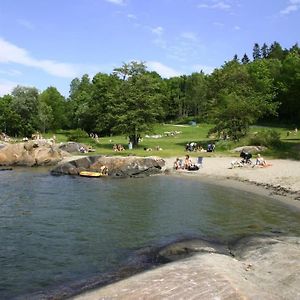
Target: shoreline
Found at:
x=269, y=182
x=234, y=278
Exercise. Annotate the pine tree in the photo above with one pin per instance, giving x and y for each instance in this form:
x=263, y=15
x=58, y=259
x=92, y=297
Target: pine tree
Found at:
x=236, y=58
x=256, y=52
x=265, y=50
x=245, y=59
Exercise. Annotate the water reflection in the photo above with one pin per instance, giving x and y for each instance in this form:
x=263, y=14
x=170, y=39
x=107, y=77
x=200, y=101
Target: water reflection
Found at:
x=59, y=229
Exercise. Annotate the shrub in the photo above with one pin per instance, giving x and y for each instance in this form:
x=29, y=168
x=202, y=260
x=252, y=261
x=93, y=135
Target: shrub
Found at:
x=76, y=134
x=267, y=138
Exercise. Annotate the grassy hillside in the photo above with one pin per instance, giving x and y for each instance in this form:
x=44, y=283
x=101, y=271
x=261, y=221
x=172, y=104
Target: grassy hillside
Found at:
x=173, y=138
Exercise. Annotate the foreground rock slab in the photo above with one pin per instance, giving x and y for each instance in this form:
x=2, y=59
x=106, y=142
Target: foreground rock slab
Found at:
x=261, y=268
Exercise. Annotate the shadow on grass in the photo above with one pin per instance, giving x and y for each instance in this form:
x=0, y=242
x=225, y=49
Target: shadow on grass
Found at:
x=286, y=150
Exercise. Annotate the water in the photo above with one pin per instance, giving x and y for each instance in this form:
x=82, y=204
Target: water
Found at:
x=58, y=230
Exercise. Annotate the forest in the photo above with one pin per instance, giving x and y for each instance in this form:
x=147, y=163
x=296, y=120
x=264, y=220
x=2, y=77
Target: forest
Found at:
x=131, y=99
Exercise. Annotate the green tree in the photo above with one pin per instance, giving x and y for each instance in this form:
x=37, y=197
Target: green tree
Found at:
x=10, y=121
x=256, y=52
x=241, y=95
x=137, y=103
x=101, y=103
x=289, y=93
x=245, y=59
x=77, y=103
x=265, y=51
x=276, y=51
x=45, y=116
x=196, y=94
x=25, y=103
x=56, y=102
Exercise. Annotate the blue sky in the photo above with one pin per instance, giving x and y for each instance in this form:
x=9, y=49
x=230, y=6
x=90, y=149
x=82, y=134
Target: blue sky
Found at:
x=49, y=42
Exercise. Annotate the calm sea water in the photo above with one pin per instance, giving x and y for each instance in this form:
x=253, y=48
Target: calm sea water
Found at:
x=58, y=230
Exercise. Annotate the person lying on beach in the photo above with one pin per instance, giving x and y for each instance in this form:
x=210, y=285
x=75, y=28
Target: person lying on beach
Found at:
x=260, y=161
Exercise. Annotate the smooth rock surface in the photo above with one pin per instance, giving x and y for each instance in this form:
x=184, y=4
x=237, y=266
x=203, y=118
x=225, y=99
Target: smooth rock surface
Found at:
x=262, y=268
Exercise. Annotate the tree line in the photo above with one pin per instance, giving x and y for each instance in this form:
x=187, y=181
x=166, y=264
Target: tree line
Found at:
x=131, y=99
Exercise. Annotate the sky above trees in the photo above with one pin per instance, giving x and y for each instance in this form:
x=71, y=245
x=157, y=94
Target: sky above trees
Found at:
x=50, y=42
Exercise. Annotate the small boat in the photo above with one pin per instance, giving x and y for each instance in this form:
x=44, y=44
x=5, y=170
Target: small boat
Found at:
x=90, y=174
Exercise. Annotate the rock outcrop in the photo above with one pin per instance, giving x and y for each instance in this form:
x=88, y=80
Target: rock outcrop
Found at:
x=251, y=149
x=129, y=166
x=259, y=268
x=31, y=153
x=73, y=147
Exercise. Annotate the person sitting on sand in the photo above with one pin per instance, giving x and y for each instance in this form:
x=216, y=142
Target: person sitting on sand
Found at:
x=177, y=164
x=187, y=162
x=260, y=161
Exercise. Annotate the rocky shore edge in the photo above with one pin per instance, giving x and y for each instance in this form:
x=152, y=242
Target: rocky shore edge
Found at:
x=257, y=267
x=280, y=181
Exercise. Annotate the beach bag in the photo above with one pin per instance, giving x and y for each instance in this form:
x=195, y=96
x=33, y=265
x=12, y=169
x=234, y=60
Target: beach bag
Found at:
x=193, y=168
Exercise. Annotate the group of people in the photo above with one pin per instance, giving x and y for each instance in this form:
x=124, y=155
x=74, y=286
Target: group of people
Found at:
x=185, y=164
x=118, y=147
x=295, y=132
x=246, y=160
x=157, y=148
x=194, y=147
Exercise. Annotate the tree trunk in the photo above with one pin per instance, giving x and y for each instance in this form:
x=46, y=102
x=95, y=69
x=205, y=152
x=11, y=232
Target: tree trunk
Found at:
x=134, y=139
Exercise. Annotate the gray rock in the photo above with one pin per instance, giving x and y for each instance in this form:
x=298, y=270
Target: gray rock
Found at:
x=117, y=166
x=32, y=153
x=72, y=147
x=187, y=248
x=251, y=149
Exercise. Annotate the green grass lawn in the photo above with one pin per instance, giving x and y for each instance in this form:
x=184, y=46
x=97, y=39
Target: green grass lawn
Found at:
x=174, y=145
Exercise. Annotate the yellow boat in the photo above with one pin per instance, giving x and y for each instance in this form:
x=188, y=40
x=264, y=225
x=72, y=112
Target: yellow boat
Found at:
x=90, y=174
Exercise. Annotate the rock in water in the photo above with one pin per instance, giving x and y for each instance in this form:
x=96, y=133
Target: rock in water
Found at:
x=117, y=166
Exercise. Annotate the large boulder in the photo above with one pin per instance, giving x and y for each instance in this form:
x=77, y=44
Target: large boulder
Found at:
x=129, y=166
x=250, y=149
x=72, y=147
x=32, y=153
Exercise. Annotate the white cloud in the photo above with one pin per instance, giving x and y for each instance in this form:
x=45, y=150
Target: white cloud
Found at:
x=192, y=36
x=159, y=40
x=11, y=72
x=203, y=5
x=25, y=23
x=217, y=5
x=118, y=2
x=218, y=24
x=6, y=87
x=157, y=30
x=162, y=69
x=132, y=16
x=236, y=27
x=204, y=68
x=292, y=6
x=10, y=53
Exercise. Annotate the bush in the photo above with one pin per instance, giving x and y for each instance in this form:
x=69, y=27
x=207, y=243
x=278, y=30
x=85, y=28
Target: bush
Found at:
x=267, y=138
x=76, y=134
